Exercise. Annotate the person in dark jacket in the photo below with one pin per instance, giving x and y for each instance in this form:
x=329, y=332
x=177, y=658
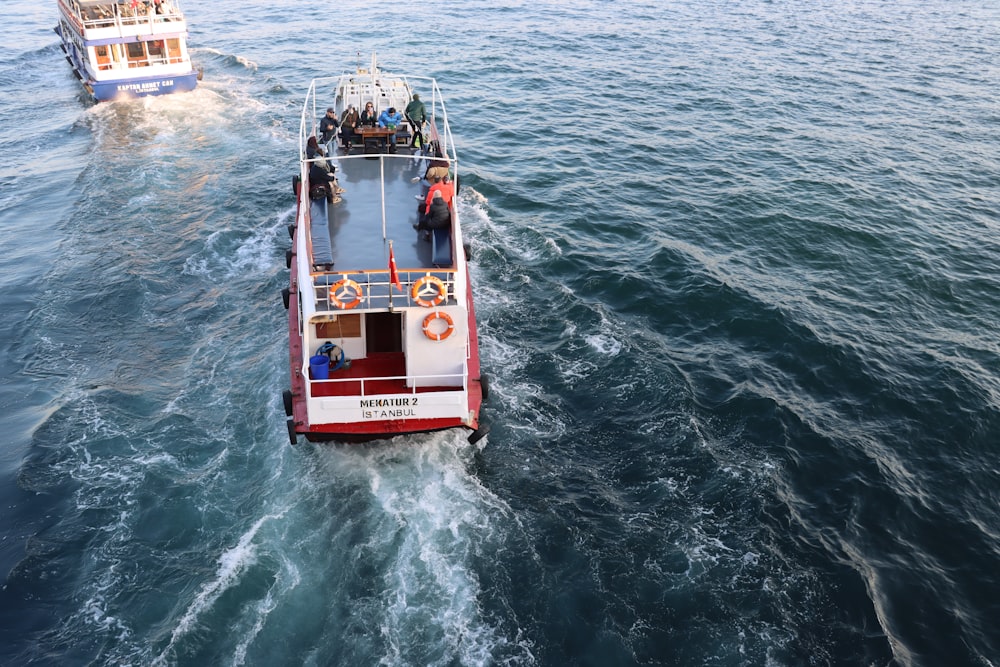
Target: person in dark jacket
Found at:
x=368, y=116
x=321, y=176
x=348, y=121
x=328, y=126
x=438, y=216
x=312, y=146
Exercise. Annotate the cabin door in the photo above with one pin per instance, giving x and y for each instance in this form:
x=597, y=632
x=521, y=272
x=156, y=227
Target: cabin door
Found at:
x=383, y=332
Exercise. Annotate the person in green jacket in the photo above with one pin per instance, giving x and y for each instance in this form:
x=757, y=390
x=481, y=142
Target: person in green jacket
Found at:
x=416, y=114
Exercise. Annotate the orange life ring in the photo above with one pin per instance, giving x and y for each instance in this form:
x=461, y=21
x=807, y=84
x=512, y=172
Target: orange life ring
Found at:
x=438, y=315
x=418, y=292
x=346, y=283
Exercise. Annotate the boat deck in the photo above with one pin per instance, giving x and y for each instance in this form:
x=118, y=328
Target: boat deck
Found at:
x=355, y=223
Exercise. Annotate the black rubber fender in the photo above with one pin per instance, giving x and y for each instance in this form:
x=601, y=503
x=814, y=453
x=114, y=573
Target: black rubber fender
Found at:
x=293, y=437
x=479, y=434
x=286, y=399
x=286, y=296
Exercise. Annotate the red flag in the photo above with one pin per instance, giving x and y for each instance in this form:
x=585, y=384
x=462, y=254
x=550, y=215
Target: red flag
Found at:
x=393, y=276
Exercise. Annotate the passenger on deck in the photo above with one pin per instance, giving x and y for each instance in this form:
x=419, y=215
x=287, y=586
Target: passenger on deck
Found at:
x=436, y=171
x=348, y=121
x=391, y=119
x=416, y=115
x=328, y=126
x=438, y=215
x=445, y=187
x=320, y=183
x=321, y=172
x=368, y=116
x=311, y=147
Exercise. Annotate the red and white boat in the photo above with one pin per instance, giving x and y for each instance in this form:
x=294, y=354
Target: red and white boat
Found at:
x=381, y=323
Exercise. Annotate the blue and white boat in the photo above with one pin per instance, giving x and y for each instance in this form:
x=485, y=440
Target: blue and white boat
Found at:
x=127, y=48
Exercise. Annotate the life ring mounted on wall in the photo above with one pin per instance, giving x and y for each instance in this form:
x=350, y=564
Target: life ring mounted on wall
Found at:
x=429, y=291
x=438, y=315
x=341, y=294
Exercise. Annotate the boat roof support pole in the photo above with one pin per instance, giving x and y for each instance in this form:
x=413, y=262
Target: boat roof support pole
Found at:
x=381, y=168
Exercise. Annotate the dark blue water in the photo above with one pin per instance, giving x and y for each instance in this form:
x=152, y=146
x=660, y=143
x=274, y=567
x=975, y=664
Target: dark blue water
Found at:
x=736, y=270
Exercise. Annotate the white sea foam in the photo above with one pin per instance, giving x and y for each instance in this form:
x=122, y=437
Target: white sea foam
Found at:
x=433, y=520
x=604, y=344
x=232, y=564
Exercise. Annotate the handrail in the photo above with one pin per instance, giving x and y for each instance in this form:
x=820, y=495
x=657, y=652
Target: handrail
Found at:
x=410, y=390
x=378, y=288
x=99, y=22
x=367, y=82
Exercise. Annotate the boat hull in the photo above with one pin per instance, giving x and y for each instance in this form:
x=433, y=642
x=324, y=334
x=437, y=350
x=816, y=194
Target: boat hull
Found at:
x=105, y=91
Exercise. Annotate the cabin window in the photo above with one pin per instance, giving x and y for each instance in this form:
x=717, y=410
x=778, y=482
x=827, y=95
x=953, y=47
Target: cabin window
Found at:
x=342, y=326
x=136, y=54
x=155, y=48
x=174, y=50
x=103, y=57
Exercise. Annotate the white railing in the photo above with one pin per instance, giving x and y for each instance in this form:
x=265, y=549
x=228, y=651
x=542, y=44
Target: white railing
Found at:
x=370, y=86
x=378, y=292
x=411, y=381
x=122, y=14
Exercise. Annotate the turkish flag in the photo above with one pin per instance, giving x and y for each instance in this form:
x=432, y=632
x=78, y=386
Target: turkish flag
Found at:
x=393, y=276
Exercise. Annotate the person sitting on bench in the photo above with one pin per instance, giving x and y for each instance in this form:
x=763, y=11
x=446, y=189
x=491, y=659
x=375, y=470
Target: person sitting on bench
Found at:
x=348, y=121
x=368, y=116
x=322, y=174
x=391, y=119
x=438, y=216
x=445, y=187
x=437, y=170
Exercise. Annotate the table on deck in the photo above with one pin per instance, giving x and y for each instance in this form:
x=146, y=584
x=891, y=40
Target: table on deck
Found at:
x=379, y=134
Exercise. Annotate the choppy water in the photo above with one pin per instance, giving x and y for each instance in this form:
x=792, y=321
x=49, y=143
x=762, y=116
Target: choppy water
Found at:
x=742, y=327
